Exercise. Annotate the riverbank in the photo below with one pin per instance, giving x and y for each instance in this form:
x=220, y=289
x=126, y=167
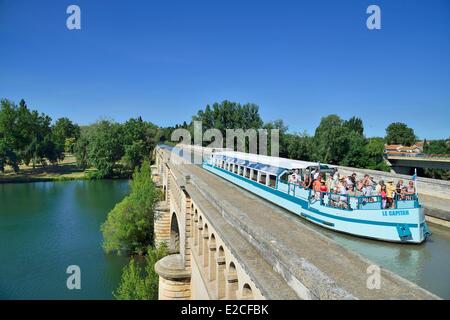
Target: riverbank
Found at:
x=63, y=171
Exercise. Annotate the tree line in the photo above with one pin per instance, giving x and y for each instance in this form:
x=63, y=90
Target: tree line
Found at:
x=116, y=149
x=335, y=140
x=29, y=137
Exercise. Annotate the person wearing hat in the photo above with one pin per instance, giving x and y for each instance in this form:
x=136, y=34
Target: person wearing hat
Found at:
x=390, y=193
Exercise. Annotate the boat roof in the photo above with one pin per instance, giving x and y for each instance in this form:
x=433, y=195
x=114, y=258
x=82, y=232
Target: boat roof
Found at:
x=248, y=159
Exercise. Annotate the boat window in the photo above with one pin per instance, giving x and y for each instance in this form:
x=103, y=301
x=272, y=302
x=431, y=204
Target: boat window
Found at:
x=285, y=177
x=262, y=178
x=240, y=170
x=248, y=172
x=254, y=175
x=272, y=181
x=236, y=168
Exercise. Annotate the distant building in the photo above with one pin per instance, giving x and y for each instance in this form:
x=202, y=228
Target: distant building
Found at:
x=398, y=149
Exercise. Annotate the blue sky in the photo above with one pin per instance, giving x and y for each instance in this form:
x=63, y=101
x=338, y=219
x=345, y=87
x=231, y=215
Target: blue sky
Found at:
x=298, y=60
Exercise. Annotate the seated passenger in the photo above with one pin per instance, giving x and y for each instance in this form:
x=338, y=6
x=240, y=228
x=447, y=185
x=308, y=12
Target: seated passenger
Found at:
x=334, y=199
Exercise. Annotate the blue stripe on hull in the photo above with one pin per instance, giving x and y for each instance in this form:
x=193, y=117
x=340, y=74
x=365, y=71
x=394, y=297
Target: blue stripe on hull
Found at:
x=334, y=218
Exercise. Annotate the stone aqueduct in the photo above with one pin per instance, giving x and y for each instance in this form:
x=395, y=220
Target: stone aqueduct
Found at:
x=200, y=265
x=226, y=244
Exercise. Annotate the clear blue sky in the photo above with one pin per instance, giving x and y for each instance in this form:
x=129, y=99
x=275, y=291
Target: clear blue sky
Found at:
x=298, y=60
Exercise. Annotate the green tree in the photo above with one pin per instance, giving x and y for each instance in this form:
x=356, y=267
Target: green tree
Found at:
x=105, y=147
x=400, y=133
x=139, y=280
x=331, y=140
x=356, y=154
x=129, y=226
x=139, y=139
x=299, y=146
x=65, y=133
x=355, y=124
x=436, y=147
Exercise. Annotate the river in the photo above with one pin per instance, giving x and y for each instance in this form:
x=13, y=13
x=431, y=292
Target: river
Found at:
x=47, y=226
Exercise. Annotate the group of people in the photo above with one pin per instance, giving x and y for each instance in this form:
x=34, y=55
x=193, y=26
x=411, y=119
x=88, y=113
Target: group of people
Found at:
x=341, y=187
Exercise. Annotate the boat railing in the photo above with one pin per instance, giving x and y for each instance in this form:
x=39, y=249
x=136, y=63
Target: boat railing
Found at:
x=372, y=202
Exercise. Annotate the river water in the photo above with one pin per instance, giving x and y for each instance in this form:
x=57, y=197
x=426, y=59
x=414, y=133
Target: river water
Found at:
x=47, y=226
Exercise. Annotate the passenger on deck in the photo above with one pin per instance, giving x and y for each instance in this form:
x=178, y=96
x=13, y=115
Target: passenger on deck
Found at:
x=323, y=187
x=379, y=187
x=383, y=196
x=343, y=195
x=411, y=189
x=400, y=186
x=351, y=190
x=294, y=177
x=390, y=193
x=316, y=187
x=359, y=192
x=351, y=180
x=307, y=181
x=404, y=194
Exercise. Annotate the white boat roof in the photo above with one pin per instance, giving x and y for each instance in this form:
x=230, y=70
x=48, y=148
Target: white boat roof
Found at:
x=271, y=161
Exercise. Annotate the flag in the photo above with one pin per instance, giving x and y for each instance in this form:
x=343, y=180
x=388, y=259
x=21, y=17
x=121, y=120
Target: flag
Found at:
x=414, y=178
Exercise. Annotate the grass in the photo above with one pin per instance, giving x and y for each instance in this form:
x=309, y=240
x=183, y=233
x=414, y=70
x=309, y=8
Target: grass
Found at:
x=65, y=170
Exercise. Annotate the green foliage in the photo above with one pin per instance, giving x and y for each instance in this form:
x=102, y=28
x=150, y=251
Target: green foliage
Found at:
x=110, y=147
x=400, y=133
x=299, y=146
x=437, y=147
x=139, y=280
x=129, y=226
x=26, y=136
x=65, y=133
x=331, y=140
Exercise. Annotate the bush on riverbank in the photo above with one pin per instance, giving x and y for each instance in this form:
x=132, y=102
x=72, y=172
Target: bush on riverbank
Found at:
x=140, y=281
x=129, y=226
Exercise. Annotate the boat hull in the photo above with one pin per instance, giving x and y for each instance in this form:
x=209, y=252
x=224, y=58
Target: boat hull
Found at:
x=396, y=225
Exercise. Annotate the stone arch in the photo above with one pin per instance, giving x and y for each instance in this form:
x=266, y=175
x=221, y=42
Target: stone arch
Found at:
x=174, y=245
x=231, y=284
x=220, y=273
x=212, y=257
x=247, y=292
x=194, y=227
x=205, y=236
x=199, y=236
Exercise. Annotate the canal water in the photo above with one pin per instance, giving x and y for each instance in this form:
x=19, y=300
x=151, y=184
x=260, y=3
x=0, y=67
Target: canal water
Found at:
x=426, y=264
x=46, y=227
